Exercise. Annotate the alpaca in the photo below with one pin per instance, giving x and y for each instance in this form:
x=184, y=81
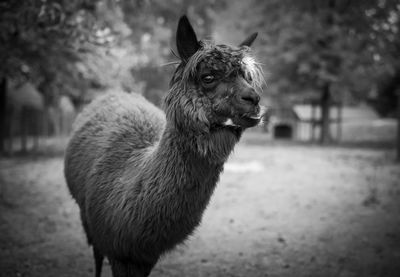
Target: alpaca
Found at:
x=142, y=178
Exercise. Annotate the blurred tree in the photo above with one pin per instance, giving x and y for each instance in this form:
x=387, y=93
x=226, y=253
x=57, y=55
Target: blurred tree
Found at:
x=71, y=46
x=329, y=48
x=45, y=38
x=336, y=49
x=384, y=44
x=52, y=43
x=153, y=24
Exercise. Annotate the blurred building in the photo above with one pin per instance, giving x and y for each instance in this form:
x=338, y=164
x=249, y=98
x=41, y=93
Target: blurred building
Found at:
x=283, y=122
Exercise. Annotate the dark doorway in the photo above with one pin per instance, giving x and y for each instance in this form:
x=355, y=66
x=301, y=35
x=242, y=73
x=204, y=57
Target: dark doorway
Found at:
x=283, y=131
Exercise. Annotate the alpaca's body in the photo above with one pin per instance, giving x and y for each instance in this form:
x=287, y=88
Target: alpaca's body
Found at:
x=142, y=178
x=115, y=146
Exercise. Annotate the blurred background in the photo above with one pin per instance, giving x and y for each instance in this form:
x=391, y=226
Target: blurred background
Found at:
x=314, y=192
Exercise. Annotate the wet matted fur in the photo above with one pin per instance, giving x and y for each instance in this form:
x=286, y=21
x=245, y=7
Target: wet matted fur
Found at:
x=142, y=178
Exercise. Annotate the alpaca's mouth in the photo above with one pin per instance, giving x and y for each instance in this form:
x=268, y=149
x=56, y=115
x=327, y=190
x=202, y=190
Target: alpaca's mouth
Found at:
x=243, y=121
x=255, y=117
x=251, y=120
x=248, y=121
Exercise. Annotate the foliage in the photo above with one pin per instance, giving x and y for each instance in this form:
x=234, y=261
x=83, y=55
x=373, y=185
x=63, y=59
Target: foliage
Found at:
x=384, y=44
x=329, y=50
x=71, y=47
x=74, y=46
x=307, y=44
x=153, y=24
x=43, y=40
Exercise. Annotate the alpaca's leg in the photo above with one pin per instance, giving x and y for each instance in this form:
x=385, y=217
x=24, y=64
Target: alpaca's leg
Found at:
x=130, y=269
x=85, y=227
x=98, y=260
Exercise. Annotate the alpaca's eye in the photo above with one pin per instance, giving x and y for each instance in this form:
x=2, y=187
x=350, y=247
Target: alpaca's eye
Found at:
x=208, y=79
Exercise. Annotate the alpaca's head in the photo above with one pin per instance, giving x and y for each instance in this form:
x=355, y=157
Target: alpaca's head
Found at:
x=215, y=86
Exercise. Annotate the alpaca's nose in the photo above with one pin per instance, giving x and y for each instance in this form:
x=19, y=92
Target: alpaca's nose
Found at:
x=250, y=97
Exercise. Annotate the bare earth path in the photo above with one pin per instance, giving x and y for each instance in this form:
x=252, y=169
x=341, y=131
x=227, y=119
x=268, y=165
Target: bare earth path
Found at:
x=285, y=210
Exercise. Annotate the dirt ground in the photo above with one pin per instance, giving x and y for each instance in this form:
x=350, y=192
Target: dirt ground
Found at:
x=279, y=210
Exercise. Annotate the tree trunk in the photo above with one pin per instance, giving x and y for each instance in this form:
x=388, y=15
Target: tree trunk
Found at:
x=3, y=114
x=339, y=121
x=45, y=123
x=325, y=137
x=313, y=121
x=24, y=130
x=398, y=124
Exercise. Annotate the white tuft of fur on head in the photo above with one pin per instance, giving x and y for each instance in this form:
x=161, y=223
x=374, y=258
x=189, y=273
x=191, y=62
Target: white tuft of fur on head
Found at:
x=253, y=71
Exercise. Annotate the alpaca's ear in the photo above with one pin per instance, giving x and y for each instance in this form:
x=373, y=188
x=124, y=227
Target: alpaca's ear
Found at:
x=249, y=41
x=186, y=40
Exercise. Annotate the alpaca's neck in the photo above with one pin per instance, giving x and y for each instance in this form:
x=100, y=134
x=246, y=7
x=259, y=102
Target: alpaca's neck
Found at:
x=189, y=161
x=177, y=180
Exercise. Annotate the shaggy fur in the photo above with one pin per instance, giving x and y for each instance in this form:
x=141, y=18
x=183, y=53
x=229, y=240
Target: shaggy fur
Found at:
x=141, y=177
